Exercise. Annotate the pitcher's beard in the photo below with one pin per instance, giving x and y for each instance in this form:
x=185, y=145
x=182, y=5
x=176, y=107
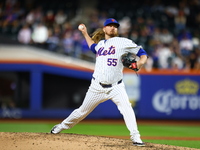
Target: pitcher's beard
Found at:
x=113, y=34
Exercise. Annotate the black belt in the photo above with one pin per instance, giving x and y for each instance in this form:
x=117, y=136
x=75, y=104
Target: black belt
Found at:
x=107, y=85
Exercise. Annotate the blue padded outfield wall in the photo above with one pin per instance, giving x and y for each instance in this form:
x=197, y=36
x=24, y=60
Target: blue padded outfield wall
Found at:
x=153, y=95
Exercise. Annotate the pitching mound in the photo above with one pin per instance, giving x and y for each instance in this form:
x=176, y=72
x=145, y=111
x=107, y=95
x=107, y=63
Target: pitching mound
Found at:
x=64, y=141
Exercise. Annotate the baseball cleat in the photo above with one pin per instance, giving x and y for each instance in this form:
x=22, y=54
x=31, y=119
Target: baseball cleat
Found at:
x=138, y=144
x=56, y=129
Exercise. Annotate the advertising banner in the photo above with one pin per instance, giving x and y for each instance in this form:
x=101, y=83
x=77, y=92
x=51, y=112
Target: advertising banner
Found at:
x=169, y=97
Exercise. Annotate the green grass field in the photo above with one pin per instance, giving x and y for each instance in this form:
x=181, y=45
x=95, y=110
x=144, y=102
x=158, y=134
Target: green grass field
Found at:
x=115, y=129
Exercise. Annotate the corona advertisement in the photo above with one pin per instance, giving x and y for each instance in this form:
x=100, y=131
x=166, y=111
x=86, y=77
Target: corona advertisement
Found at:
x=171, y=97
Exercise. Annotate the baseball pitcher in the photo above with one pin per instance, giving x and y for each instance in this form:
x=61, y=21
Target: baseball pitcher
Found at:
x=113, y=53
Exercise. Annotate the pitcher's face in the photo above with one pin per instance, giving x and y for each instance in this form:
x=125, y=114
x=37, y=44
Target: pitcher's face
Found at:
x=111, y=30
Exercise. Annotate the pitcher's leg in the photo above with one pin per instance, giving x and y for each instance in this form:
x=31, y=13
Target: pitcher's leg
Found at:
x=90, y=102
x=79, y=114
x=122, y=101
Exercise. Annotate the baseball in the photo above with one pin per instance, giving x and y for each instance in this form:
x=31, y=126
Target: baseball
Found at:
x=80, y=27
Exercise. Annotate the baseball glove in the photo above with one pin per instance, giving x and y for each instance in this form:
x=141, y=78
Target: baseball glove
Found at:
x=129, y=61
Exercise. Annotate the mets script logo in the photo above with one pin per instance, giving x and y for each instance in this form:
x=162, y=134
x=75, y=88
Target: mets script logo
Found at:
x=104, y=52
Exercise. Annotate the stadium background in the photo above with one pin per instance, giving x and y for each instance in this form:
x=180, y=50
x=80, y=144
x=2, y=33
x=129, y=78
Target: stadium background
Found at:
x=46, y=67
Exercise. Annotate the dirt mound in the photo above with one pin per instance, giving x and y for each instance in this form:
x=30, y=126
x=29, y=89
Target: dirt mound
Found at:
x=64, y=141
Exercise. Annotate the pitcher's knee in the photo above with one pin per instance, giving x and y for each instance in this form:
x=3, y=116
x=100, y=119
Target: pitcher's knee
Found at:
x=80, y=113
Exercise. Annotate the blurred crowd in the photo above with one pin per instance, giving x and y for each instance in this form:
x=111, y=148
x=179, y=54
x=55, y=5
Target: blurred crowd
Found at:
x=168, y=30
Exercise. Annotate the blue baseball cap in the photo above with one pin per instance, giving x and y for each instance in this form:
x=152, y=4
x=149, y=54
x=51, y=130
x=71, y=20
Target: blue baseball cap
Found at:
x=111, y=20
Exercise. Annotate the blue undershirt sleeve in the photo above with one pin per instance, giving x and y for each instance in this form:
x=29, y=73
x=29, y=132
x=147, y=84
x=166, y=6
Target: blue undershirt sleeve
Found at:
x=141, y=52
x=92, y=48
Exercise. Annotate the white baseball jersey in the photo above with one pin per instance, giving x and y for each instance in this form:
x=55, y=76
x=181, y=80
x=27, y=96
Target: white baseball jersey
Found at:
x=108, y=68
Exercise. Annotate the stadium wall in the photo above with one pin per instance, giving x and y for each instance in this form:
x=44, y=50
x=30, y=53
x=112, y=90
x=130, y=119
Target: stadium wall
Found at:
x=54, y=89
